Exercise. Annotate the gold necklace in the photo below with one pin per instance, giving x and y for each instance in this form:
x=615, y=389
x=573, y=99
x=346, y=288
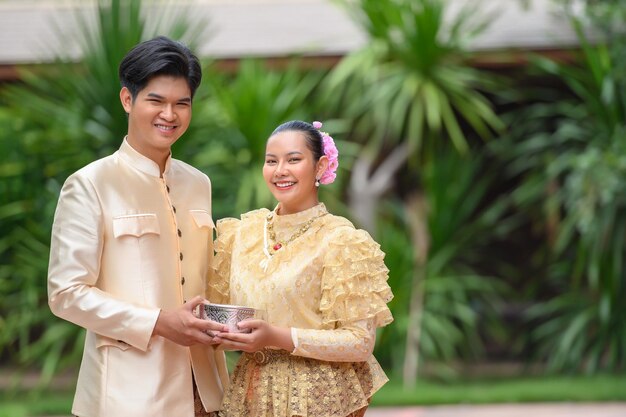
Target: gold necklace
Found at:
x=272, y=235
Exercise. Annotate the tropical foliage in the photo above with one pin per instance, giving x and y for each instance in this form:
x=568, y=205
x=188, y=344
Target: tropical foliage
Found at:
x=459, y=301
x=570, y=153
x=411, y=116
x=413, y=78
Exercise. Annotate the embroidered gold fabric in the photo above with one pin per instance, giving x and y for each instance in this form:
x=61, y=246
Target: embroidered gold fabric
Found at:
x=330, y=286
x=297, y=386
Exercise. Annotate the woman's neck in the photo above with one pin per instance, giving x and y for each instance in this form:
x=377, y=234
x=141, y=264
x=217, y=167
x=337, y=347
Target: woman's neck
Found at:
x=283, y=209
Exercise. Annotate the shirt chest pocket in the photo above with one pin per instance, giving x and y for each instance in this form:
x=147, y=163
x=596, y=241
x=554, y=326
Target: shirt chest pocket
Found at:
x=136, y=225
x=199, y=239
x=202, y=219
x=138, y=251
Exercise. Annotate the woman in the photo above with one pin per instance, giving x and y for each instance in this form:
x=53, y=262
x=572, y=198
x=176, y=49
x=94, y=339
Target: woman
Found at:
x=321, y=282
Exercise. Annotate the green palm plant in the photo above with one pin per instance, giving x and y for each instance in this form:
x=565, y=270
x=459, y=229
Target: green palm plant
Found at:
x=570, y=154
x=455, y=297
x=412, y=98
x=413, y=78
x=57, y=121
x=243, y=109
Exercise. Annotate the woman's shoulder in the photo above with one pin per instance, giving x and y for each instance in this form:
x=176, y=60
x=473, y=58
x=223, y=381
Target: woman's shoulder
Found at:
x=336, y=222
x=255, y=215
x=229, y=223
x=343, y=232
x=339, y=225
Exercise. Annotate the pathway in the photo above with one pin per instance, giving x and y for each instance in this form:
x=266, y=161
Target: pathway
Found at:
x=506, y=410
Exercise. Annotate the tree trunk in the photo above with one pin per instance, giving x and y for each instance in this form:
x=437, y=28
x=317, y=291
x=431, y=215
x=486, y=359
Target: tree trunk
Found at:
x=417, y=215
x=367, y=187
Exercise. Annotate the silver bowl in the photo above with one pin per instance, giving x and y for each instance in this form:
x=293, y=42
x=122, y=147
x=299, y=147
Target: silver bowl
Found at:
x=229, y=315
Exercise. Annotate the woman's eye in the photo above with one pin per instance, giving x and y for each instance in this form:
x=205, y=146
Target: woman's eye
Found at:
x=294, y=160
x=270, y=161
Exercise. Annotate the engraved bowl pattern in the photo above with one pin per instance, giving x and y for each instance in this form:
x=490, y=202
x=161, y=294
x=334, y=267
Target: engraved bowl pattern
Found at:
x=229, y=315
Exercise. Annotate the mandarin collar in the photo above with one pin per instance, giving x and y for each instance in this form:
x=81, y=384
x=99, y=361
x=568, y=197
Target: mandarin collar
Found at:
x=287, y=220
x=142, y=162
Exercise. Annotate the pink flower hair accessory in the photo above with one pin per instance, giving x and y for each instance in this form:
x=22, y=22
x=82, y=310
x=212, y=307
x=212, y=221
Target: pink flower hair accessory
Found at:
x=331, y=152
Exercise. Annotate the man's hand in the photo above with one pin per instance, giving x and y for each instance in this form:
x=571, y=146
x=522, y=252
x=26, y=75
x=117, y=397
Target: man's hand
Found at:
x=181, y=326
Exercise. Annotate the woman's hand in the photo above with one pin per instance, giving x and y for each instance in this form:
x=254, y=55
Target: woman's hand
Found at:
x=262, y=334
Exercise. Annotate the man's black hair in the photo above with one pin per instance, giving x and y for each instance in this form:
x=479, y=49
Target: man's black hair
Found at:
x=159, y=56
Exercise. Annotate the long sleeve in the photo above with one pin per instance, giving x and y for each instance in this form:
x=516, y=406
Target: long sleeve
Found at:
x=353, y=300
x=75, y=263
x=350, y=343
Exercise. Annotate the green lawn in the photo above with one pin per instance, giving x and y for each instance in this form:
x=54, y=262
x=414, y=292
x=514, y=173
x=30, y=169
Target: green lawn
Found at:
x=507, y=390
x=28, y=404
x=475, y=391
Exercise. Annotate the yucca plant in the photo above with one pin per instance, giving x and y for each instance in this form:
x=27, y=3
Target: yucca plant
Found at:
x=570, y=156
x=412, y=97
x=412, y=78
x=56, y=121
x=455, y=296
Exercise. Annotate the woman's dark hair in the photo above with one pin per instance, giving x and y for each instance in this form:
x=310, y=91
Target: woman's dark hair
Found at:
x=159, y=56
x=312, y=135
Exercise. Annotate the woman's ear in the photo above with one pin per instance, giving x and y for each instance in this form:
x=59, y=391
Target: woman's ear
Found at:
x=322, y=166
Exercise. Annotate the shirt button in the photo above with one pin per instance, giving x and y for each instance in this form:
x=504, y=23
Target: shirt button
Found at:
x=174, y=208
x=180, y=233
x=181, y=256
x=182, y=281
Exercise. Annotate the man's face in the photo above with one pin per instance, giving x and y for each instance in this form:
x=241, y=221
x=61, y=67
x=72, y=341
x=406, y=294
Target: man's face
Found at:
x=158, y=116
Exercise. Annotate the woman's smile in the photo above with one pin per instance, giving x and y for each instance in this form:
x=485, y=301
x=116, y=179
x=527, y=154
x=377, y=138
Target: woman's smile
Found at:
x=284, y=185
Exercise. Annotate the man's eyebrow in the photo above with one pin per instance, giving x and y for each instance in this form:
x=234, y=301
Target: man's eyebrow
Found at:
x=160, y=97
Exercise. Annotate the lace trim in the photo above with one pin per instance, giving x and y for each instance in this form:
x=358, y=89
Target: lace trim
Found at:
x=354, y=282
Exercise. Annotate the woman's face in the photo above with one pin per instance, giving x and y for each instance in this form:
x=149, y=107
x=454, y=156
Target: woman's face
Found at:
x=290, y=171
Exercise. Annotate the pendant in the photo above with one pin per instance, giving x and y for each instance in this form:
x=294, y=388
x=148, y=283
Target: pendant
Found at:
x=277, y=246
x=264, y=264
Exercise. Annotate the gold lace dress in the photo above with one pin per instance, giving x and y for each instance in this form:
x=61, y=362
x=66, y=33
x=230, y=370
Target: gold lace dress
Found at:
x=330, y=287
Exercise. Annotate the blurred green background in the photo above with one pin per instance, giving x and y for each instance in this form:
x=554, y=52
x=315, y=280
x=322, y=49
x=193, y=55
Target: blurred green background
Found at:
x=497, y=193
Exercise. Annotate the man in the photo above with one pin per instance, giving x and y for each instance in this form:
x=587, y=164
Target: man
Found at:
x=131, y=251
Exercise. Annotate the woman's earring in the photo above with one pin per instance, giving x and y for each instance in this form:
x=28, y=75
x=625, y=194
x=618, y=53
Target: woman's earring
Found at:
x=317, y=182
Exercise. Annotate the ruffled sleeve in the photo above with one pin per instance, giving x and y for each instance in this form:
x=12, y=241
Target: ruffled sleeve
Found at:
x=354, y=280
x=219, y=285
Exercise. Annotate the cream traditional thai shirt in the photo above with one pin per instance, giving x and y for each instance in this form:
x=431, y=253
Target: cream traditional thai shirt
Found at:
x=329, y=286
x=126, y=243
